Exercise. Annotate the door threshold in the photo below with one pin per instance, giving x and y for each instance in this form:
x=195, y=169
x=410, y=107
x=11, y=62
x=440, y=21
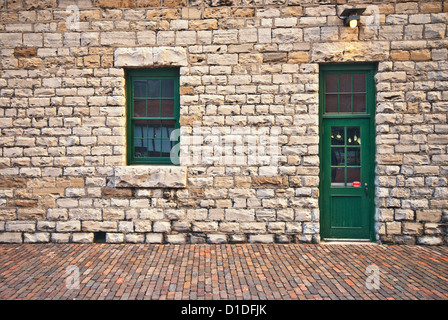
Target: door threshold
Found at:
x=347, y=241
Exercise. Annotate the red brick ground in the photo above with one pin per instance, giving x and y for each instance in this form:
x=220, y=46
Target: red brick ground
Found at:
x=236, y=271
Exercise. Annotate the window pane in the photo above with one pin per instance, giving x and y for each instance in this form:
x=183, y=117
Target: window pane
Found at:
x=154, y=147
x=353, y=156
x=337, y=177
x=153, y=108
x=345, y=83
x=139, y=88
x=353, y=136
x=337, y=156
x=154, y=88
x=140, y=131
x=140, y=148
x=345, y=103
x=139, y=108
x=167, y=128
x=359, y=103
x=166, y=147
x=353, y=174
x=168, y=88
x=168, y=108
x=331, y=103
x=331, y=83
x=337, y=135
x=154, y=130
x=359, y=83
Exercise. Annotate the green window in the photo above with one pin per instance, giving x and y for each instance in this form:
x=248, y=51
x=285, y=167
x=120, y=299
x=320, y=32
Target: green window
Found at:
x=152, y=115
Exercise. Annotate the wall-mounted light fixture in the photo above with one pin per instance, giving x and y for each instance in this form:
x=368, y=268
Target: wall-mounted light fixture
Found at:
x=352, y=16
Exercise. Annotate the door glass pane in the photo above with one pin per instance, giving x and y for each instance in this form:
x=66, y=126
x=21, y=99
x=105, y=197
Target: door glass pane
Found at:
x=337, y=177
x=168, y=88
x=337, y=135
x=331, y=103
x=359, y=103
x=353, y=174
x=345, y=103
x=353, y=136
x=139, y=108
x=345, y=83
x=337, y=156
x=359, y=82
x=331, y=83
x=153, y=108
x=353, y=156
x=154, y=88
x=139, y=89
x=167, y=108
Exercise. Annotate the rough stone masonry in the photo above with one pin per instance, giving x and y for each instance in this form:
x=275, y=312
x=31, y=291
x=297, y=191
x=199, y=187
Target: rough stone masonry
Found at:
x=244, y=64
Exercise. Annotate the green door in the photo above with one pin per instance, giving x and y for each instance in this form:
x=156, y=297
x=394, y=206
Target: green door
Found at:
x=346, y=152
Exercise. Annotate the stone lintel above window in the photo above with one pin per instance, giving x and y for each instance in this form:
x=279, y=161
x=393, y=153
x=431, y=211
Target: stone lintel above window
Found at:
x=150, y=176
x=150, y=56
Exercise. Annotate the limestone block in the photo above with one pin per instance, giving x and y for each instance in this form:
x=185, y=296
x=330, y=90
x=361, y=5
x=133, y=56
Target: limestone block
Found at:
x=176, y=238
x=82, y=237
x=36, y=237
x=239, y=214
x=142, y=226
x=170, y=56
x=25, y=226
x=350, y=51
x=154, y=238
x=10, y=237
x=150, y=176
x=60, y=237
x=114, y=237
x=133, y=57
x=161, y=226
x=216, y=238
x=68, y=226
x=261, y=238
x=135, y=238
x=99, y=226
x=429, y=240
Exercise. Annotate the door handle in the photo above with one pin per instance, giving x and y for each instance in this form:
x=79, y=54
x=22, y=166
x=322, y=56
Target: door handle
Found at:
x=366, y=188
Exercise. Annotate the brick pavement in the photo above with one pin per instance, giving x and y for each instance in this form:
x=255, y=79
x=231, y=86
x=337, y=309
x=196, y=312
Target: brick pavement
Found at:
x=228, y=271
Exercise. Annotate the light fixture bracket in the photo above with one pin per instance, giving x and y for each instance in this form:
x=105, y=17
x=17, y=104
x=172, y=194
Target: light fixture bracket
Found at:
x=350, y=14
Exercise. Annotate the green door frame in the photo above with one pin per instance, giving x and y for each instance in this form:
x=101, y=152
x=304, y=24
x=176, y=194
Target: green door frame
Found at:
x=369, y=115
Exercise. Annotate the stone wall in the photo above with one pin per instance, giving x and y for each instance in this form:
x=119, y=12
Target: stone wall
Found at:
x=244, y=65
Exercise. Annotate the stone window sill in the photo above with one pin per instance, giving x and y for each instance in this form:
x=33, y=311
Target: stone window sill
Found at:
x=143, y=176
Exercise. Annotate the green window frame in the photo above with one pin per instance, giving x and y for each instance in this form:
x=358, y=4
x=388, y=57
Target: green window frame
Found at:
x=153, y=111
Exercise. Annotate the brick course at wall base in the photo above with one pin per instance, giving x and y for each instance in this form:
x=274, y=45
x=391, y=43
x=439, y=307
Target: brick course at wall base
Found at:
x=243, y=65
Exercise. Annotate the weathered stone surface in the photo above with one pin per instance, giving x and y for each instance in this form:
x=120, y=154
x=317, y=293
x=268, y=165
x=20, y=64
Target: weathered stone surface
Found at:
x=150, y=177
x=261, y=238
x=176, y=238
x=133, y=57
x=82, y=237
x=170, y=56
x=116, y=3
x=36, y=237
x=350, y=51
x=154, y=238
x=10, y=237
x=217, y=238
x=114, y=237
